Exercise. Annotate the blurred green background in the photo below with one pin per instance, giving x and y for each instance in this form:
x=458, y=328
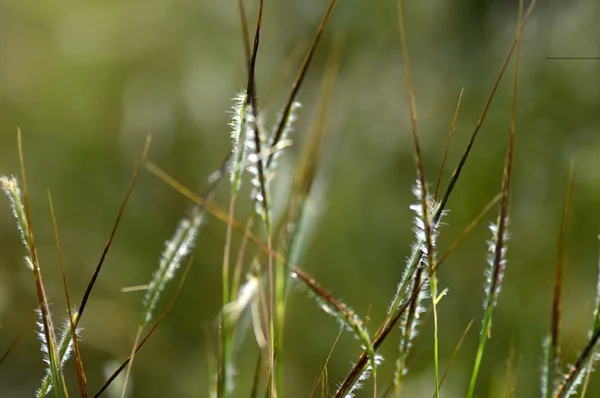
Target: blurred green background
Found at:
x=86, y=81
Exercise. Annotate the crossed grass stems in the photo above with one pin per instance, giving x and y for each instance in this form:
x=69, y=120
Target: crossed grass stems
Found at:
x=263, y=294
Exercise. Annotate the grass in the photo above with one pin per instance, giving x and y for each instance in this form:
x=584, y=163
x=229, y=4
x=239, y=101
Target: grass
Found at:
x=256, y=285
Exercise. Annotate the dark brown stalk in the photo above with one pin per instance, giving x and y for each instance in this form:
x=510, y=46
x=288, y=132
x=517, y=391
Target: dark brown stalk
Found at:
x=92, y=282
x=299, y=79
x=251, y=90
x=467, y=151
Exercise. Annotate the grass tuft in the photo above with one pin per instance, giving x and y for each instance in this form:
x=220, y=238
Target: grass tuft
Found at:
x=257, y=271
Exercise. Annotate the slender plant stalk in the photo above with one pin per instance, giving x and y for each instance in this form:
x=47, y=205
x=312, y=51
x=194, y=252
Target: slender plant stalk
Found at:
x=500, y=234
x=425, y=207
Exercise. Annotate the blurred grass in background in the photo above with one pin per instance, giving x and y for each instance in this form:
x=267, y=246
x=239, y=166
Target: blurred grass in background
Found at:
x=87, y=81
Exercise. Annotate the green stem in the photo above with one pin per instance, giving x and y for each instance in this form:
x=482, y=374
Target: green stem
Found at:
x=435, y=335
x=485, y=327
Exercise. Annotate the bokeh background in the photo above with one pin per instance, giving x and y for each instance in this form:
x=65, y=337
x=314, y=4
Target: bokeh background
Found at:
x=87, y=81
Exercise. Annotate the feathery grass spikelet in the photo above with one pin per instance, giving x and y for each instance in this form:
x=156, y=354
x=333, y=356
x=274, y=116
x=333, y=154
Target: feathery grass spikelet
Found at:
x=364, y=376
x=418, y=257
x=268, y=156
x=245, y=296
x=495, y=273
x=416, y=279
x=176, y=250
x=419, y=222
x=238, y=126
x=10, y=186
x=42, y=337
x=65, y=348
x=544, y=371
x=410, y=320
x=287, y=130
